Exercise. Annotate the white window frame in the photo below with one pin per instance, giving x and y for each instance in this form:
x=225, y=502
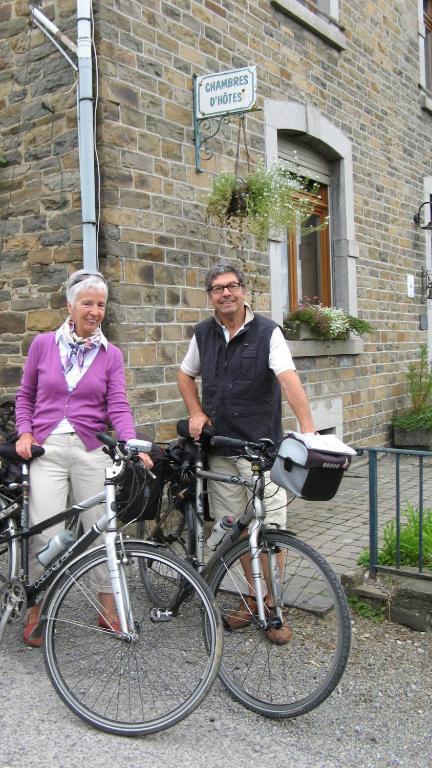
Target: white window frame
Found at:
x=324, y=24
x=307, y=120
x=425, y=96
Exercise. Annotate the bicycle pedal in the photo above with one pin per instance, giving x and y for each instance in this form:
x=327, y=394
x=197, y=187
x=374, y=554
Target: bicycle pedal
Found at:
x=158, y=615
x=275, y=623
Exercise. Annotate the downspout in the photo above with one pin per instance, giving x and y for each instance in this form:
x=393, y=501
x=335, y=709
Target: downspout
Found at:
x=86, y=135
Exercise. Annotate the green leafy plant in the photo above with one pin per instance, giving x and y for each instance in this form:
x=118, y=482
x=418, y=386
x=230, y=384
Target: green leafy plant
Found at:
x=419, y=382
x=413, y=420
x=265, y=201
x=409, y=541
x=326, y=322
x=366, y=610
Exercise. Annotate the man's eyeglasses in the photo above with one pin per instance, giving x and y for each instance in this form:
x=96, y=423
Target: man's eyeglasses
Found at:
x=84, y=275
x=218, y=289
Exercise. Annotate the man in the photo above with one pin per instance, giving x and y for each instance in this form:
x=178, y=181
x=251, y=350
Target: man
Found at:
x=244, y=363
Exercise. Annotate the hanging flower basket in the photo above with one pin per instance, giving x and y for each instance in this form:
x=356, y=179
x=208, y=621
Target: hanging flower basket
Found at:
x=265, y=202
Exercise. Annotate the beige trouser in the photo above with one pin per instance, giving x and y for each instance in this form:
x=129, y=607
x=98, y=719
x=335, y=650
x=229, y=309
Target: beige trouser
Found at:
x=227, y=499
x=65, y=466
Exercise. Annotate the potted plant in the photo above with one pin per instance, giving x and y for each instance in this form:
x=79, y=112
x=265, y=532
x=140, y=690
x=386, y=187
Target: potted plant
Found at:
x=414, y=427
x=266, y=201
x=328, y=323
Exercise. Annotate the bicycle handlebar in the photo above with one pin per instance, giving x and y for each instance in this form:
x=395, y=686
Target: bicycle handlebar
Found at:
x=121, y=449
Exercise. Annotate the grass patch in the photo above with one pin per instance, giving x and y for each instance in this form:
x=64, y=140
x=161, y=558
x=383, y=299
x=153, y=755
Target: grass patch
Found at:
x=409, y=541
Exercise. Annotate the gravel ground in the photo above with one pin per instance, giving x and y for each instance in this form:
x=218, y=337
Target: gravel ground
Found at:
x=379, y=717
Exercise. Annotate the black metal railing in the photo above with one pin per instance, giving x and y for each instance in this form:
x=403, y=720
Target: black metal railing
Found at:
x=417, y=465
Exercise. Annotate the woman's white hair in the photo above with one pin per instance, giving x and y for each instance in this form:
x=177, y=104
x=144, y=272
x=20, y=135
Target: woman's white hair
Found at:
x=83, y=280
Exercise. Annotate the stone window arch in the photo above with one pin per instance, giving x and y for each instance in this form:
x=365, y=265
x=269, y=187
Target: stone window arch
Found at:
x=304, y=124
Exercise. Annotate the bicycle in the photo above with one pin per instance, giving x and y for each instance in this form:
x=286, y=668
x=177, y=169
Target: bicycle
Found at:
x=161, y=664
x=272, y=680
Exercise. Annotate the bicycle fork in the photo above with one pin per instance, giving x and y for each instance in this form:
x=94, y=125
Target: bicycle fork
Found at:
x=116, y=557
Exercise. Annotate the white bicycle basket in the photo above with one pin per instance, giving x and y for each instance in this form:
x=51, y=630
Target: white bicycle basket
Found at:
x=311, y=466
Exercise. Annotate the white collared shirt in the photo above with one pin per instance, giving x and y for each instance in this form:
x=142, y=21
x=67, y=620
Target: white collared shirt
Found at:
x=280, y=358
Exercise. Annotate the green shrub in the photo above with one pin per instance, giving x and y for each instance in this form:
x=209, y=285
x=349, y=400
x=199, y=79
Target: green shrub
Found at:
x=409, y=541
x=419, y=382
x=413, y=420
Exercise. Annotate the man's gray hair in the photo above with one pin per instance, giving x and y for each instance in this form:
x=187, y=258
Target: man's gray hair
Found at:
x=222, y=269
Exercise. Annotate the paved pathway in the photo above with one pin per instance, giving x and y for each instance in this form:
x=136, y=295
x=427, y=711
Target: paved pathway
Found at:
x=339, y=528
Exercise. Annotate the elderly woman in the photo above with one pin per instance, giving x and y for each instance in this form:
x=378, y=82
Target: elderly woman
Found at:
x=73, y=385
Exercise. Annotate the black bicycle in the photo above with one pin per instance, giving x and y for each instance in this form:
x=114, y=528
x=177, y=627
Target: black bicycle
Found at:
x=158, y=663
x=305, y=594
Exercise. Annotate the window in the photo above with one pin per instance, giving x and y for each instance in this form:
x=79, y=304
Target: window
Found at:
x=425, y=53
x=309, y=273
x=320, y=16
x=322, y=263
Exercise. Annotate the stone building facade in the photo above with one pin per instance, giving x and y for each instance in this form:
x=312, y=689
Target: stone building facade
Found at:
x=345, y=83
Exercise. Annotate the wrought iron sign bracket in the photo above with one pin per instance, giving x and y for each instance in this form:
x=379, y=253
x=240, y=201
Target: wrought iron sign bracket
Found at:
x=207, y=127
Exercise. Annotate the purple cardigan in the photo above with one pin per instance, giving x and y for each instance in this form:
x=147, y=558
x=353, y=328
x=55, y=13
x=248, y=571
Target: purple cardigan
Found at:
x=43, y=399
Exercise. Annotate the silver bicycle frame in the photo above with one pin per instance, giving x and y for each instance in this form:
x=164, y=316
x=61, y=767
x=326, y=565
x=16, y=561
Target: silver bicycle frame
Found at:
x=253, y=517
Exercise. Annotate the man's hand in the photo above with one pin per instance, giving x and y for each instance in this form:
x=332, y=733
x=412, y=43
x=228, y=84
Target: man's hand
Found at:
x=196, y=424
x=23, y=445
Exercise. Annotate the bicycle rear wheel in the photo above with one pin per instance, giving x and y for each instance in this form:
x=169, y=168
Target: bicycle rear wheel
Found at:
x=154, y=678
x=291, y=679
x=174, y=529
x=9, y=549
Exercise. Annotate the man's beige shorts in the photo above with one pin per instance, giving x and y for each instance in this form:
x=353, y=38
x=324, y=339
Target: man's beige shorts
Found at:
x=227, y=499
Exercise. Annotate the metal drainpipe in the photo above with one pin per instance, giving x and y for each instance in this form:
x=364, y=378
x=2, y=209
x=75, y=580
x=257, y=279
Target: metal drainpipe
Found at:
x=86, y=135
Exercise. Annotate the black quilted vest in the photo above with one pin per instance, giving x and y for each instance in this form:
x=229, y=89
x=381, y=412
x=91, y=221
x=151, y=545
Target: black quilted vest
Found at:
x=240, y=392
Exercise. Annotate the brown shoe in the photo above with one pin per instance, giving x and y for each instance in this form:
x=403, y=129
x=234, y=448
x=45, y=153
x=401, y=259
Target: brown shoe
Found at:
x=280, y=636
x=243, y=615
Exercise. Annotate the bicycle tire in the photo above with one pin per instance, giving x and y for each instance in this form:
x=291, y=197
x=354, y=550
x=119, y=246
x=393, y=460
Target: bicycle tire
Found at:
x=138, y=687
x=9, y=550
x=174, y=529
x=292, y=679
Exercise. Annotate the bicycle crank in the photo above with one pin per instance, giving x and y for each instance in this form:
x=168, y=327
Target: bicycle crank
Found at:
x=13, y=603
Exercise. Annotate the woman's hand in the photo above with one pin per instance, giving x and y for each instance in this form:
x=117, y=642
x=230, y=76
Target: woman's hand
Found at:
x=146, y=460
x=23, y=445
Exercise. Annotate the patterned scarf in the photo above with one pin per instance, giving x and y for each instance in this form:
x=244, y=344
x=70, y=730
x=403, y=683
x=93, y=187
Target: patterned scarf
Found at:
x=78, y=345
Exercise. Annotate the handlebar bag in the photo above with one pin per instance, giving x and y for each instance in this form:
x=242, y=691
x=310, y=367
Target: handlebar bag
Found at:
x=311, y=466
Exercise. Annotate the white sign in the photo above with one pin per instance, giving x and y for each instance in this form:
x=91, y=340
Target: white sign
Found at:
x=231, y=91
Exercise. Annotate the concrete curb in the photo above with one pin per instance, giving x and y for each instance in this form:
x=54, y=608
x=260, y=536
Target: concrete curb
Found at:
x=408, y=601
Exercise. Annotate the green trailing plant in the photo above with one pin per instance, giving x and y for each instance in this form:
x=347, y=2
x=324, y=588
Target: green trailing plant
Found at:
x=329, y=323
x=409, y=541
x=265, y=201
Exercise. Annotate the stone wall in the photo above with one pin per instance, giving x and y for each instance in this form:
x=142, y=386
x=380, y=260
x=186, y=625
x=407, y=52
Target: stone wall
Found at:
x=154, y=243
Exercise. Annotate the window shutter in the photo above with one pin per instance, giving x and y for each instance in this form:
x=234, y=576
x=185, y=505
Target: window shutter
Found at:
x=307, y=161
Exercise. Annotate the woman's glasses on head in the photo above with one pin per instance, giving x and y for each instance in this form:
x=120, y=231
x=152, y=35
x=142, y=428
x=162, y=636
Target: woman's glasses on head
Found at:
x=83, y=276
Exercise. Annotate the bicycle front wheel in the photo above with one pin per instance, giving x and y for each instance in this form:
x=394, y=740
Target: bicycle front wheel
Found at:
x=290, y=679
x=154, y=677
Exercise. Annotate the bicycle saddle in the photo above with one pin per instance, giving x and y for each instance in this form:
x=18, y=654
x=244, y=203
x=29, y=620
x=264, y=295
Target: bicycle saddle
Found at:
x=7, y=450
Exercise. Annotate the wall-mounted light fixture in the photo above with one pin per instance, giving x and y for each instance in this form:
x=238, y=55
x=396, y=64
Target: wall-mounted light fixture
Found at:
x=426, y=284
x=417, y=216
